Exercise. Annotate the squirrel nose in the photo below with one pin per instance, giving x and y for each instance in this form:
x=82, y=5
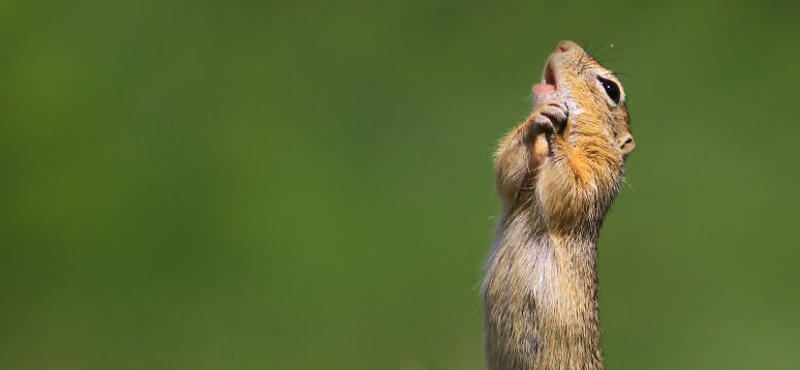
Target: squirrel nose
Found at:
x=565, y=46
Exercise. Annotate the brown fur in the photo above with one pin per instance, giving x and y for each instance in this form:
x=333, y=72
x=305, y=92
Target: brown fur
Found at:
x=557, y=174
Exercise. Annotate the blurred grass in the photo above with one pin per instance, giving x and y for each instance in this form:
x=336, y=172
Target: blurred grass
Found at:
x=308, y=185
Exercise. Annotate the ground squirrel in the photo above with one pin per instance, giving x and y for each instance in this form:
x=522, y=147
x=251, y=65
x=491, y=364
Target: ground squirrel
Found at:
x=557, y=174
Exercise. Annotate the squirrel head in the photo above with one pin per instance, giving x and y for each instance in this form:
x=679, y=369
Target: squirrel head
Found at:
x=593, y=95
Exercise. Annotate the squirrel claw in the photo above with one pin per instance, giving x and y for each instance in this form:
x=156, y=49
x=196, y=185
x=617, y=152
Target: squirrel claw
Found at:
x=549, y=117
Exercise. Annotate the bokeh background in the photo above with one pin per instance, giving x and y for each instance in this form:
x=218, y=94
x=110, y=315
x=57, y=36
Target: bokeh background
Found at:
x=308, y=184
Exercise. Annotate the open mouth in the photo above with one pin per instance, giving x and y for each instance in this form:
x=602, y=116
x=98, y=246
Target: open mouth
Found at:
x=545, y=90
x=549, y=77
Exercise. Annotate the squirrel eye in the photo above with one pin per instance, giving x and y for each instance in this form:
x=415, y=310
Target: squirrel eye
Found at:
x=611, y=89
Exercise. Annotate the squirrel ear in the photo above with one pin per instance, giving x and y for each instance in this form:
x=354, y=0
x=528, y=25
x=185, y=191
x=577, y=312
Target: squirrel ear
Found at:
x=626, y=143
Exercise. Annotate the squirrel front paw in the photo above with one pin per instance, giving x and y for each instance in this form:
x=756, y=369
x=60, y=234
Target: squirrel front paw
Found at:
x=549, y=117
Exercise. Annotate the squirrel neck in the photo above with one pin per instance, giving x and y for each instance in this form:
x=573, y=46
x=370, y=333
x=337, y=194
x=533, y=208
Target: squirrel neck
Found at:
x=541, y=296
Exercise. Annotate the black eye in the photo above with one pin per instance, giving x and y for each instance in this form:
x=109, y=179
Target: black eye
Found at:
x=611, y=89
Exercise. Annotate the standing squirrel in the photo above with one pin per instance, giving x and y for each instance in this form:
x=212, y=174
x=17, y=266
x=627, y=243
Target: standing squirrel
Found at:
x=557, y=174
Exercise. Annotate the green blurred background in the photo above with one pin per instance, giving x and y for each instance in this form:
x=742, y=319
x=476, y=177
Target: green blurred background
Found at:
x=308, y=185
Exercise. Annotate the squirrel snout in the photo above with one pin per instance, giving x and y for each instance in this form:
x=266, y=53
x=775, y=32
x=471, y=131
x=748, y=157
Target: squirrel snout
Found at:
x=565, y=46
